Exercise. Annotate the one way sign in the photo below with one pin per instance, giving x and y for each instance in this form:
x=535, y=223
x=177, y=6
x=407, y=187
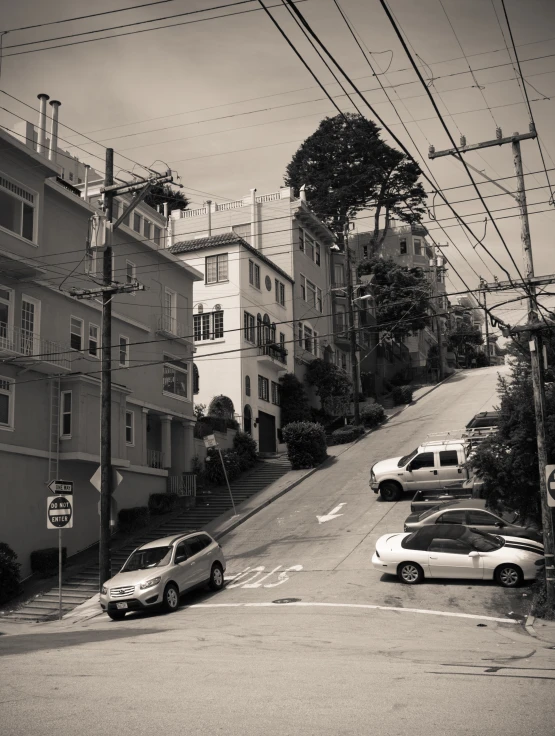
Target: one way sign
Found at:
x=550, y=483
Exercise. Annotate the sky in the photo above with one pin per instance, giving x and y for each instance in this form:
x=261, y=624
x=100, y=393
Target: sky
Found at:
x=225, y=102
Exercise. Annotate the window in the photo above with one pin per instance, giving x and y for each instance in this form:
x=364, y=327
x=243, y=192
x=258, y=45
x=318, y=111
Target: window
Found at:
x=452, y=517
x=247, y=385
x=254, y=274
x=17, y=209
x=94, y=334
x=65, y=414
x=71, y=176
x=275, y=393
x=6, y=297
x=209, y=326
x=309, y=246
x=301, y=239
x=308, y=339
x=218, y=317
x=417, y=247
x=123, y=351
x=263, y=388
x=129, y=428
x=129, y=272
x=424, y=460
x=248, y=321
x=175, y=380
x=76, y=333
x=280, y=293
x=146, y=228
x=201, y=326
x=448, y=458
x=338, y=275
x=310, y=293
x=30, y=325
x=316, y=345
x=136, y=222
x=303, y=287
x=480, y=518
x=300, y=334
x=317, y=254
x=216, y=268
x=340, y=318
x=282, y=340
x=319, y=300
x=403, y=246
x=451, y=546
x=6, y=403
x=157, y=237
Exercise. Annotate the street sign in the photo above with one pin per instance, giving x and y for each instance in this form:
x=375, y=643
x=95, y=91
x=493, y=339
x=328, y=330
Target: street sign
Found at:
x=61, y=486
x=116, y=479
x=550, y=483
x=59, y=512
x=210, y=441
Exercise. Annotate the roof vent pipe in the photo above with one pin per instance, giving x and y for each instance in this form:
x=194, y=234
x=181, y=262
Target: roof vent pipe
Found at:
x=208, y=205
x=254, y=239
x=41, y=132
x=302, y=193
x=52, y=153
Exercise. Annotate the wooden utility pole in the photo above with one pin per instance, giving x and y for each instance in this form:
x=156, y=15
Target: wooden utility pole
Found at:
x=352, y=328
x=486, y=317
x=106, y=383
x=534, y=328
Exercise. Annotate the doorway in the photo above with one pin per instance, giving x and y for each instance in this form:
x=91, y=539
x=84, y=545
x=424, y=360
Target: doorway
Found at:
x=266, y=432
x=247, y=419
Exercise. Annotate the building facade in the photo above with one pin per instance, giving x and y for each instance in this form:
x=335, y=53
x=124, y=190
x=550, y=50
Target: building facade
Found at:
x=50, y=349
x=243, y=330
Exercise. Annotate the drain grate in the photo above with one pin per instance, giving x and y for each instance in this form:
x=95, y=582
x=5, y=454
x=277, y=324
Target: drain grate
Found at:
x=287, y=600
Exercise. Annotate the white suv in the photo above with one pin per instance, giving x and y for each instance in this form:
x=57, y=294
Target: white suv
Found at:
x=158, y=573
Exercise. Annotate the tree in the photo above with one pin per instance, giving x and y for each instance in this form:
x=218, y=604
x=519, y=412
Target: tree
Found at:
x=293, y=400
x=162, y=193
x=464, y=339
x=221, y=406
x=401, y=296
x=332, y=385
x=345, y=167
x=507, y=462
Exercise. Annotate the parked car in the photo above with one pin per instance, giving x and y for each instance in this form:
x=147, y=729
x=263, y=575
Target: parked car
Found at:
x=433, y=465
x=484, y=419
x=472, y=513
x=156, y=574
x=454, y=551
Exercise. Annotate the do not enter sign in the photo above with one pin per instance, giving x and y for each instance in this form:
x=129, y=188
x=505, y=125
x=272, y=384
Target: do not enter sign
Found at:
x=550, y=483
x=59, y=512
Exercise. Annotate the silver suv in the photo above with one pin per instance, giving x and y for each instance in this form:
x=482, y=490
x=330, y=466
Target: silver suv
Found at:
x=158, y=573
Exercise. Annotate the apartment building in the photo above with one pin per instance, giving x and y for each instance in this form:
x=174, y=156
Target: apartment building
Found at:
x=284, y=230
x=50, y=349
x=243, y=330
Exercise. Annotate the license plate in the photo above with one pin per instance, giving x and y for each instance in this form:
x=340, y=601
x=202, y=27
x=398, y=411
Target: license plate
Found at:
x=121, y=605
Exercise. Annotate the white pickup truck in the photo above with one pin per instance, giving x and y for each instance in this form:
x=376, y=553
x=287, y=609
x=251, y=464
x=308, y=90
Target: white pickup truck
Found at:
x=436, y=464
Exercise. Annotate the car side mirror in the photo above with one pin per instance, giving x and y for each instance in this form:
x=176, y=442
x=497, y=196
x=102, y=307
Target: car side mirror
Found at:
x=499, y=524
x=474, y=553
x=409, y=467
x=180, y=558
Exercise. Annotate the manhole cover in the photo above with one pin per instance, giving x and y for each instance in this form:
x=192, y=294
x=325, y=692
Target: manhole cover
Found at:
x=287, y=600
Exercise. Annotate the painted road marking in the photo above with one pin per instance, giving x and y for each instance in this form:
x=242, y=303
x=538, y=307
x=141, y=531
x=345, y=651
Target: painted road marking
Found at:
x=332, y=514
x=367, y=606
x=253, y=572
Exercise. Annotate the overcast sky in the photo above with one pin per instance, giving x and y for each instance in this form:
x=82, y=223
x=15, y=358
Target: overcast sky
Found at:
x=157, y=95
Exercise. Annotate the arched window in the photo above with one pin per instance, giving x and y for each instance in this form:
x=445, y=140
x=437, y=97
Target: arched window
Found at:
x=247, y=385
x=200, y=309
x=218, y=322
x=259, y=333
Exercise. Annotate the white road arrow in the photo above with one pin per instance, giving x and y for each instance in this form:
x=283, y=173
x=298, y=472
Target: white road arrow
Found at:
x=332, y=514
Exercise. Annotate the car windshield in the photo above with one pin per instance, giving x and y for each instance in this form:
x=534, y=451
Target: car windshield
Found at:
x=406, y=458
x=143, y=559
x=481, y=541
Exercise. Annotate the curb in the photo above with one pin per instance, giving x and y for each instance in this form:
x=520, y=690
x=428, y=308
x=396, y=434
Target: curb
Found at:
x=529, y=626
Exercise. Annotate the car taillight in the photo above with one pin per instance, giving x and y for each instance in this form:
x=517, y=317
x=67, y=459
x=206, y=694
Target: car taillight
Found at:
x=377, y=553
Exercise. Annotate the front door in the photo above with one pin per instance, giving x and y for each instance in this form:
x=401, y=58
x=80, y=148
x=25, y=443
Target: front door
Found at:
x=423, y=472
x=266, y=432
x=199, y=558
x=183, y=572
x=449, y=558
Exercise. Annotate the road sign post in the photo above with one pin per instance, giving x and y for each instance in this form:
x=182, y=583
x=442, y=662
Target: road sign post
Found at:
x=210, y=441
x=59, y=515
x=550, y=484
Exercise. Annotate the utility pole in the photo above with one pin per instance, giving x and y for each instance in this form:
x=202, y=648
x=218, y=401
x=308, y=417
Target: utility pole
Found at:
x=534, y=328
x=352, y=328
x=487, y=325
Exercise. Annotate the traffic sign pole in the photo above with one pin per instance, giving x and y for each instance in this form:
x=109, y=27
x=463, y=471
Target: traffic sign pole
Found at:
x=60, y=571
x=59, y=514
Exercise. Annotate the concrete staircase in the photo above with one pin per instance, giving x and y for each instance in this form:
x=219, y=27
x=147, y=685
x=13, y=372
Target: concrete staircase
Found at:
x=83, y=585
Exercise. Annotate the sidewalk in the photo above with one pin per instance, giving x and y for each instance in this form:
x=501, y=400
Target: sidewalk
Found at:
x=542, y=630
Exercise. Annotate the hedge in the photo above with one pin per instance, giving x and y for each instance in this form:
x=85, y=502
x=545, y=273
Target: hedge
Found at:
x=45, y=561
x=161, y=503
x=306, y=444
x=401, y=395
x=347, y=434
x=132, y=519
x=213, y=471
x=372, y=415
x=246, y=449
x=9, y=573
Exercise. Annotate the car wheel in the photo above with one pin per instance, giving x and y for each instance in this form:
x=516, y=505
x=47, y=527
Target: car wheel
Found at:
x=116, y=615
x=390, y=491
x=509, y=576
x=216, y=581
x=410, y=573
x=171, y=598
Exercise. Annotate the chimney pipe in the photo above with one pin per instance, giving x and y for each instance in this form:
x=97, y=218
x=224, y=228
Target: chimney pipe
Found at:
x=254, y=239
x=86, y=188
x=302, y=193
x=209, y=213
x=41, y=132
x=54, y=131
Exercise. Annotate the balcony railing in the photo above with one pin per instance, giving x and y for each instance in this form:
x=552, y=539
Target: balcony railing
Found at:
x=168, y=325
x=274, y=351
x=154, y=458
x=183, y=485
x=27, y=344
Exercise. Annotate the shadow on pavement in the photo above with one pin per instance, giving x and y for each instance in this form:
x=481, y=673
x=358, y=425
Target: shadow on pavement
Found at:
x=27, y=643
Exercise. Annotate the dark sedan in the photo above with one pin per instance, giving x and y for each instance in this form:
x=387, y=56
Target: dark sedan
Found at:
x=473, y=513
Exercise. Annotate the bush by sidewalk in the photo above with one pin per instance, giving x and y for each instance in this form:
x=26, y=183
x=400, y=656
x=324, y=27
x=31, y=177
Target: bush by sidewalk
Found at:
x=9, y=573
x=372, y=415
x=246, y=450
x=401, y=395
x=306, y=444
x=347, y=434
x=129, y=520
x=162, y=503
x=44, y=562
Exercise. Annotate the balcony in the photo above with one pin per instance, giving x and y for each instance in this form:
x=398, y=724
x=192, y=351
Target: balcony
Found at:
x=272, y=354
x=41, y=355
x=168, y=326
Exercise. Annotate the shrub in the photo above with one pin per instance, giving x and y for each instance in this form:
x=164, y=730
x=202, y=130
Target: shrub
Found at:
x=231, y=423
x=320, y=416
x=347, y=434
x=332, y=385
x=9, y=573
x=199, y=410
x=161, y=503
x=45, y=561
x=209, y=425
x=306, y=444
x=246, y=449
x=221, y=406
x=401, y=395
x=294, y=400
x=372, y=415
x=132, y=519
x=213, y=466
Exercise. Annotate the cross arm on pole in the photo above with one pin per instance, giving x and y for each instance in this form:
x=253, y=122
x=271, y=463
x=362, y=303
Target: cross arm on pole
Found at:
x=432, y=153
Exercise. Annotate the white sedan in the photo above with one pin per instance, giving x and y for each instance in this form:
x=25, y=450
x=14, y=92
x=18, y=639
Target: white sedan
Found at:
x=454, y=551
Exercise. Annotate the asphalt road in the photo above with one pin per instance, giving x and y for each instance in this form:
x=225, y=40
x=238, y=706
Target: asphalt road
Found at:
x=307, y=638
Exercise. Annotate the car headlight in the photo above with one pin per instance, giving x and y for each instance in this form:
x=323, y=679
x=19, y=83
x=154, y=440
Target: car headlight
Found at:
x=104, y=590
x=372, y=475
x=150, y=583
